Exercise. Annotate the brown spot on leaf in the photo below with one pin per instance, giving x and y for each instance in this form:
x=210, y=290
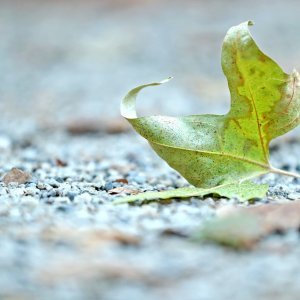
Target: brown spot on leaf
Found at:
x=262, y=58
x=252, y=71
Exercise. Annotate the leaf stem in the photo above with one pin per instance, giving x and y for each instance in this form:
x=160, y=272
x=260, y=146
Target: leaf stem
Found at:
x=282, y=172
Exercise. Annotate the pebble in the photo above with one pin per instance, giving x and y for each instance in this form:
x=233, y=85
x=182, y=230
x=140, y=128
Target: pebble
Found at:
x=71, y=195
x=16, y=175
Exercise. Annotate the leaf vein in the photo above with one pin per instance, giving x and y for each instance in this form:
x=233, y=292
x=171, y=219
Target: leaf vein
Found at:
x=236, y=157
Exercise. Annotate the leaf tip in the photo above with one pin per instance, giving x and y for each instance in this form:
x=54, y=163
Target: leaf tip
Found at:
x=166, y=80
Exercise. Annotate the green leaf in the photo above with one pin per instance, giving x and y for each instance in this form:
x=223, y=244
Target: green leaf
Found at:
x=244, y=191
x=212, y=150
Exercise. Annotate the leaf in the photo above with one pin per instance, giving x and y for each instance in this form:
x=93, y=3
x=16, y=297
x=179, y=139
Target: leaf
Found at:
x=243, y=191
x=212, y=150
x=239, y=231
x=243, y=228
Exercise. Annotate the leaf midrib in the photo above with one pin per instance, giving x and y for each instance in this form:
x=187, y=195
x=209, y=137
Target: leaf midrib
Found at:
x=258, y=121
x=237, y=53
x=236, y=157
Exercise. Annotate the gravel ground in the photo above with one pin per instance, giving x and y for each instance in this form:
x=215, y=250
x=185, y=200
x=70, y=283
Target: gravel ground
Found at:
x=60, y=235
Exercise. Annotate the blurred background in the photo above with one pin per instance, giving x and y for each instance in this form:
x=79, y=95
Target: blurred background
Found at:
x=64, y=61
x=65, y=66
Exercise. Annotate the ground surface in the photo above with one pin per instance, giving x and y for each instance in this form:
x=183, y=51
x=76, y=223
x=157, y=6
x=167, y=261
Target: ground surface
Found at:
x=64, y=69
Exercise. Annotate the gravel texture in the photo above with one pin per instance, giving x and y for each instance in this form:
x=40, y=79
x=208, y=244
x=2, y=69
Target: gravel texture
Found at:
x=60, y=235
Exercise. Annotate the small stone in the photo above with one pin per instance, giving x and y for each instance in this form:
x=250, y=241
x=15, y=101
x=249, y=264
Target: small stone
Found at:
x=63, y=208
x=54, y=183
x=53, y=193
x=108, y=186
x=16, y=175
x=41, y=186
x=59, y=179
x=72, y=195
x=31, y=191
